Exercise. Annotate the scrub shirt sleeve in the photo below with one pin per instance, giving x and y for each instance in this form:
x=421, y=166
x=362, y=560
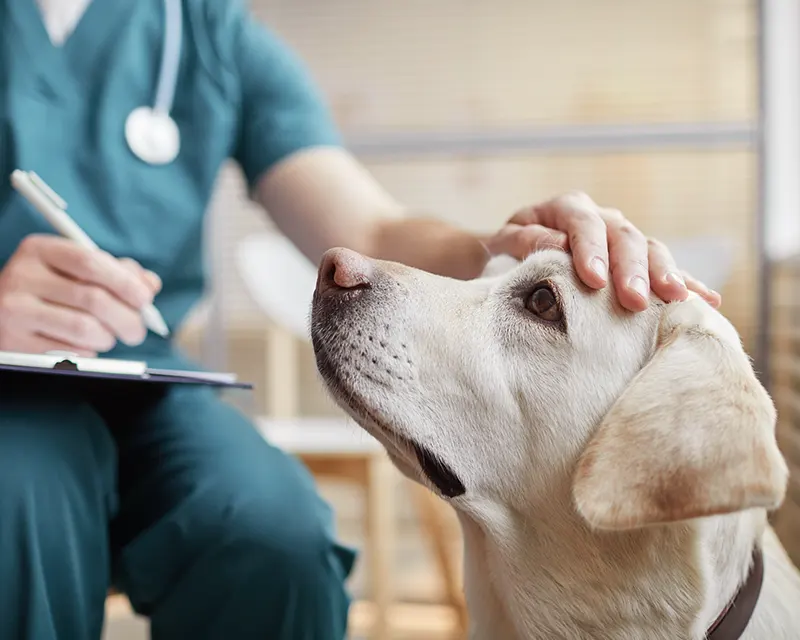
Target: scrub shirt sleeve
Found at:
x=280, y=110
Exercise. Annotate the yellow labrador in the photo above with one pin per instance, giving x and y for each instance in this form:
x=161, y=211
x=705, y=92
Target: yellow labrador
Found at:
x=611, y=471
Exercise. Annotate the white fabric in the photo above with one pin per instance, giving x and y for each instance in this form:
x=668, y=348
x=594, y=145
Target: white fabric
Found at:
x=309, y=436
x=60, y=17
x=280, y=280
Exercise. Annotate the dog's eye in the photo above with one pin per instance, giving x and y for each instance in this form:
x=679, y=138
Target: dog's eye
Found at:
x=543, y=304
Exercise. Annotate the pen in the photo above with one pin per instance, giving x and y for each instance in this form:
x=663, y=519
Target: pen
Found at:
x=53, y=208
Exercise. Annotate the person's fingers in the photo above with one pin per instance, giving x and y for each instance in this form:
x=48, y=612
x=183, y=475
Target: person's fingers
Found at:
x=94, y=267
x=120, y=319
x=150, y=278
x=520, y=241
x=578, y=216
x=666, y=279
x=627, y=248
x=77, y=329
x=709, y=295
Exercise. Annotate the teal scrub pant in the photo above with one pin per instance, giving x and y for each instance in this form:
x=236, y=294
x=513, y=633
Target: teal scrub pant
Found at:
x=174, y=498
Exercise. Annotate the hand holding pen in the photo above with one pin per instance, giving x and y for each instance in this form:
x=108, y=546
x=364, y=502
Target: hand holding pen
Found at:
x=64, y=293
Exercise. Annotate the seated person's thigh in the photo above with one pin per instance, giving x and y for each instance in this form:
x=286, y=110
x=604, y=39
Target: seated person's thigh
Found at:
x=57, y=495
x=54, y=446
x=208, y=506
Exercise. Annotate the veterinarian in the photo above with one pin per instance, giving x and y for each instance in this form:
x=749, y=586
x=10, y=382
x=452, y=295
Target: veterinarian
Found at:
x=128, y=109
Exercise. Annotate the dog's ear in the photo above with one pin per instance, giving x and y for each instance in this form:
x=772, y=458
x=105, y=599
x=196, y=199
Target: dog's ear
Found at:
x=693, y=435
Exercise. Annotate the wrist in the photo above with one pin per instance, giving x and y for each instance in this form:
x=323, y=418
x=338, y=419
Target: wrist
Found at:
x=478, y=256
x=485, y=239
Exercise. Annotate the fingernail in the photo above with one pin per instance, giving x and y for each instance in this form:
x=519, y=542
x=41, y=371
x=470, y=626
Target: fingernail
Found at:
x=675, y=278
x=702, y=289
x=599, y=267
x=154, y=279
x=638, y=284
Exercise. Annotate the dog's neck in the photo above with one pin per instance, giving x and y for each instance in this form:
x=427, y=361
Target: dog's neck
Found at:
x=549, y=576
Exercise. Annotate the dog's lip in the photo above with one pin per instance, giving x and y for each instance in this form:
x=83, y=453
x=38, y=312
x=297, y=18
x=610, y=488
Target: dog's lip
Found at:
x=438, y=473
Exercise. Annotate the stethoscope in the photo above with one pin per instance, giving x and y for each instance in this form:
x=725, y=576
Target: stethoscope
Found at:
x=151, y=133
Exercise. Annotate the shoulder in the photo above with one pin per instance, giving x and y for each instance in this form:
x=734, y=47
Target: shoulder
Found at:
x=228, y=35
x=223, y=19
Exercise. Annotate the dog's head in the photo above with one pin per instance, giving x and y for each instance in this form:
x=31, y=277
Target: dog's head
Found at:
x=501, y=388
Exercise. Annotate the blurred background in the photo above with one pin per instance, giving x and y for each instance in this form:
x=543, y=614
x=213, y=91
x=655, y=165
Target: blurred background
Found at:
x=683, y=114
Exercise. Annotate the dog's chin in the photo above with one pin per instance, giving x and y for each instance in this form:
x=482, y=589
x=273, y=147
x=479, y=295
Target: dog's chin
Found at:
x=432, y=467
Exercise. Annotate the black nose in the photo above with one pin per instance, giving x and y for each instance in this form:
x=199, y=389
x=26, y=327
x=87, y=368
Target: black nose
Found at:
x=341, y=270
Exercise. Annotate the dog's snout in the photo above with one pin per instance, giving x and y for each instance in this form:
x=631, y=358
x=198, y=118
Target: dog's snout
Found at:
x=343, y=270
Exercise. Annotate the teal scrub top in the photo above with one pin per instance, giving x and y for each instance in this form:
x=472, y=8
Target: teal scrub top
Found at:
x=240, y=94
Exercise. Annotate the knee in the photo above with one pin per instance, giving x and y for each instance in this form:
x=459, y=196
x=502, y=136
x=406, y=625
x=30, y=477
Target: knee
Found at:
x=289, y=537
x=271, y=567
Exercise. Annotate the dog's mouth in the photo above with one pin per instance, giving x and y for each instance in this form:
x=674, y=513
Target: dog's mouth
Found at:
x=436, y=470
x=438, y=473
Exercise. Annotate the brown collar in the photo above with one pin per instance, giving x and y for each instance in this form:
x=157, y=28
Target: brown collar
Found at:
x=733, y=620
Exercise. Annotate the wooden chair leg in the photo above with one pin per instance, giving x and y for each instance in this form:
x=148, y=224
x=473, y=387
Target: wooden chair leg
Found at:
x=430, y=510
x=380, y=539
x=282, y=391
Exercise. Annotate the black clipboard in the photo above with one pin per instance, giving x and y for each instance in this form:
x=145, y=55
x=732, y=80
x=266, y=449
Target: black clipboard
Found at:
x=65, y=364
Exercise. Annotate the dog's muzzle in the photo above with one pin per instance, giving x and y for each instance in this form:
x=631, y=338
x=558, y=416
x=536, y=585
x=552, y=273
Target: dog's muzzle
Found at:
x=361, y=357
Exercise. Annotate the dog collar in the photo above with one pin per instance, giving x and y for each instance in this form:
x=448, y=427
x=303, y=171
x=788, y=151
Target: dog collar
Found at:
x=731, y=623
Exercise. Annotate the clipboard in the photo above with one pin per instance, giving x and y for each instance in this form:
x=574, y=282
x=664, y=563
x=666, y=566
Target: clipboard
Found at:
x=66, y=364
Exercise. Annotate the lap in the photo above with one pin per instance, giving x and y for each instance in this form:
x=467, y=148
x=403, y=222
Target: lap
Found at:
x=57, y=495
x=195, y=474
x=190, y=491
x=52, y=439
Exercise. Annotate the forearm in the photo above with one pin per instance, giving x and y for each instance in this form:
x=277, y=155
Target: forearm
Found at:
x=324, y=198
x=431, y=245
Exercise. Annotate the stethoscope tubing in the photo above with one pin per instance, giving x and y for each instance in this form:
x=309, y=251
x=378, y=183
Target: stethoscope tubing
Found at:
x=170, y=56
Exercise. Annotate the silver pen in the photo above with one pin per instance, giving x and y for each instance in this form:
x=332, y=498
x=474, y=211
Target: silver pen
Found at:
x=53, y=208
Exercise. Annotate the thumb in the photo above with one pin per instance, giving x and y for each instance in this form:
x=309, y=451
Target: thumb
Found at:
x=519, y=241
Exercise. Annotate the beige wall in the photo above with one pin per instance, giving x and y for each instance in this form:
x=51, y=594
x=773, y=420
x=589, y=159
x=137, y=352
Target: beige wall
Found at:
x=468, y=63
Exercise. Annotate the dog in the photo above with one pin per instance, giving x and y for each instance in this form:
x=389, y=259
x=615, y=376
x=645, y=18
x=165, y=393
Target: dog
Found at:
x=611, y=471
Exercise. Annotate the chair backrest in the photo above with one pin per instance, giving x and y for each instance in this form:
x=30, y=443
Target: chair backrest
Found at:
x=280, y=280
x=710, y=259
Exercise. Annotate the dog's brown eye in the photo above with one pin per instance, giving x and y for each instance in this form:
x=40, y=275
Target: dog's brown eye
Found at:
x=543, y=303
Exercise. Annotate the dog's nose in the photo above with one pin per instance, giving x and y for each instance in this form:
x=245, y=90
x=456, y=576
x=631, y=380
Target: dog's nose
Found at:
x=341, y=270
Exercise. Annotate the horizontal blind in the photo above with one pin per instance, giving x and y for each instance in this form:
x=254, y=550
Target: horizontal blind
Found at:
x=233, y=217
x=785, y=348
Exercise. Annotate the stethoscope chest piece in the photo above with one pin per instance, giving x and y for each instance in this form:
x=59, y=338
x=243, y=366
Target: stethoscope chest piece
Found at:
x=150, y=132
x=152, y=136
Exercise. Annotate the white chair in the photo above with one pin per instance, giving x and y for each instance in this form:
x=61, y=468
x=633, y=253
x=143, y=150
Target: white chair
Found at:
x=281, y=281
x=708, y=258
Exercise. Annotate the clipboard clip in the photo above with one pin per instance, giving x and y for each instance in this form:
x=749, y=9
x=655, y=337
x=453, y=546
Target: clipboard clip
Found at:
x=66, y=365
